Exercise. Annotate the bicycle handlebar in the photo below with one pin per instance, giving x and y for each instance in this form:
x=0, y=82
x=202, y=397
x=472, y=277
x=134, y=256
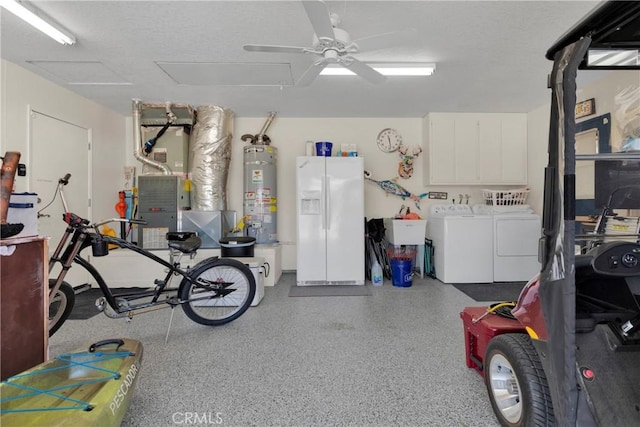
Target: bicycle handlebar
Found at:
x=64, y=180
x=77, y=221
x=74, y=220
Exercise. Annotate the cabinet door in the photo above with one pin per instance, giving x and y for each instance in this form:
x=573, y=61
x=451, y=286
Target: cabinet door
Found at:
x=490, y=155
x=441, y=152
x=514, y=149
x=476, y=149
x=466, y=150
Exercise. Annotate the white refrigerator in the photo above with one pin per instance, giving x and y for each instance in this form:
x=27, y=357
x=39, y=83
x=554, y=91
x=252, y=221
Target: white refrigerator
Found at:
x=330, y=220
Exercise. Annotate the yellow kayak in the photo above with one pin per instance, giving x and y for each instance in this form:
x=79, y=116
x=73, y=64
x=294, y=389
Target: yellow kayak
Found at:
x=89, y=387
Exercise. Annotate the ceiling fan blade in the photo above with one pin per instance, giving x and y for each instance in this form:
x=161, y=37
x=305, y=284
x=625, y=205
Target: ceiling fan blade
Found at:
x=311, y=73
x=386, y=40
x=318, y=13
x=267, y=48
x=363, y=70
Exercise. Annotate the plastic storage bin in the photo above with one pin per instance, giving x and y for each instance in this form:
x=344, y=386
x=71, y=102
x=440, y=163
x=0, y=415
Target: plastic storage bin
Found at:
x=256, y=265
x=23, y=209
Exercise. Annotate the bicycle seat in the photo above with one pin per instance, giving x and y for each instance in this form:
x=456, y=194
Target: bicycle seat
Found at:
x=187, y=246
x=179, y=235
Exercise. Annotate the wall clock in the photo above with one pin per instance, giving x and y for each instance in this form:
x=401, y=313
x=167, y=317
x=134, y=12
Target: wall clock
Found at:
x=389, y=140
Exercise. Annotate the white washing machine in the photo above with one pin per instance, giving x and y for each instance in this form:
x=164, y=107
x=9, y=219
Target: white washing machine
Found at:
x=463, y=244
x=516, y=232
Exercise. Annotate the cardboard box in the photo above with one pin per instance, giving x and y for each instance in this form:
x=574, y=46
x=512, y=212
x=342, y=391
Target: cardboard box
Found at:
x=23, y=209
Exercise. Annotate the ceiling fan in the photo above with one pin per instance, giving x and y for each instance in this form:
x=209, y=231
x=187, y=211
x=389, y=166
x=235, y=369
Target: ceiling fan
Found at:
x=333, y=45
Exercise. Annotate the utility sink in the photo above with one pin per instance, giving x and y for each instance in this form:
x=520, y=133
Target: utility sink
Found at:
x=405, y=231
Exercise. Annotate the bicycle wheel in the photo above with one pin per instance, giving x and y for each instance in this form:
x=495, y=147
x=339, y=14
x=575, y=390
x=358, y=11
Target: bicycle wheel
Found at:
x=219, y=291
x=60, y=305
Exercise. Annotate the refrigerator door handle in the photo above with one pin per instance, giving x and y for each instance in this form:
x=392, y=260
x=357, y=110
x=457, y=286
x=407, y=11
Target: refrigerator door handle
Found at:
x=323, y=200
x=328, y=198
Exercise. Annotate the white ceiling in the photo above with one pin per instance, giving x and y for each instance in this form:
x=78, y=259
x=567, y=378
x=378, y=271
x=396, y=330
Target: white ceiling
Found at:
x=489, y=54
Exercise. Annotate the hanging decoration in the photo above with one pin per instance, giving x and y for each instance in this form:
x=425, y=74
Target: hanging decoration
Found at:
x=392, y=187
x=405, y=167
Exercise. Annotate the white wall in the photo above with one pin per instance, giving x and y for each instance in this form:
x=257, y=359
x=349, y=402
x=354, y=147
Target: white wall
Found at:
x=22, y=90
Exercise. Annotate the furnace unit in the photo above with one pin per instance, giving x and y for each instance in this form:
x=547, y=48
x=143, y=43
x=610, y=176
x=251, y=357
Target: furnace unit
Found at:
x=160, y=198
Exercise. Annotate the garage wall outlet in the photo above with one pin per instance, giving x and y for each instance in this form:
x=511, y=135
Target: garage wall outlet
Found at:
x=438, y=195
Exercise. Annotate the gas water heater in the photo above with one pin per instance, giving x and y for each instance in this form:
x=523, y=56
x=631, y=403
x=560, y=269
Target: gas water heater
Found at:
x=260, y=193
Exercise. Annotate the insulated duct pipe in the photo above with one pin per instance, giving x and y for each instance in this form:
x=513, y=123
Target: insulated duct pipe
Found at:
x=210, y=157
x=137, y=140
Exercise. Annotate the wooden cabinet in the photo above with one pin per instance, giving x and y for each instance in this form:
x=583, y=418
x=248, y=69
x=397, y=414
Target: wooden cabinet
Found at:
x=475, y=148
x=24, y=296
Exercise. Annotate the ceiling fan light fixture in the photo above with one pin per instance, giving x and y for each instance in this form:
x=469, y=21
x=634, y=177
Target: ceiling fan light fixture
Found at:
x=400, y=69
x=38, y=20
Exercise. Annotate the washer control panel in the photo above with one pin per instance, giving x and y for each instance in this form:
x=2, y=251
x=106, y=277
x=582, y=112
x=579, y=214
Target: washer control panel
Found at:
x=450, y=210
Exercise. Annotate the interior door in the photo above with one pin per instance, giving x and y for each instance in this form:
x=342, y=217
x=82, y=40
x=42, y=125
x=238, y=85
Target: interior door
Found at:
x=56, y=148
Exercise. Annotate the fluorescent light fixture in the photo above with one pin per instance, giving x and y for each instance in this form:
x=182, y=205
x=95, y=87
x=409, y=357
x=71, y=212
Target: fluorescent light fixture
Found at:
x=400, y=69
x=40, y=21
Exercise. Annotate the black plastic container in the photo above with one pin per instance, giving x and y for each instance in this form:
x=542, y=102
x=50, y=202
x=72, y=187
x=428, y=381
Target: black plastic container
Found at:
x=237, y=246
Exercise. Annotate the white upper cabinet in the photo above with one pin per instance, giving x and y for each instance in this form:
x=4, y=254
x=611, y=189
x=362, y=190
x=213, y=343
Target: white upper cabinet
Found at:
x=475, y=148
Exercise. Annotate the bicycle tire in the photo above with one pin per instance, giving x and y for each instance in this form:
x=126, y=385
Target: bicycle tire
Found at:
x=201, y=298
x=60, y=305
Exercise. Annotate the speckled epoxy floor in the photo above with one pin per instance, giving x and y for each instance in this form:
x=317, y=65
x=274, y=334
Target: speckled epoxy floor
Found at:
x=395, y=358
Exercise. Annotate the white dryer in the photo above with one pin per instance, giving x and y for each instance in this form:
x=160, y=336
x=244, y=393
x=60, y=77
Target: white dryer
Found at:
x=516, y=232
x=463, y=244
x=515, y=243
